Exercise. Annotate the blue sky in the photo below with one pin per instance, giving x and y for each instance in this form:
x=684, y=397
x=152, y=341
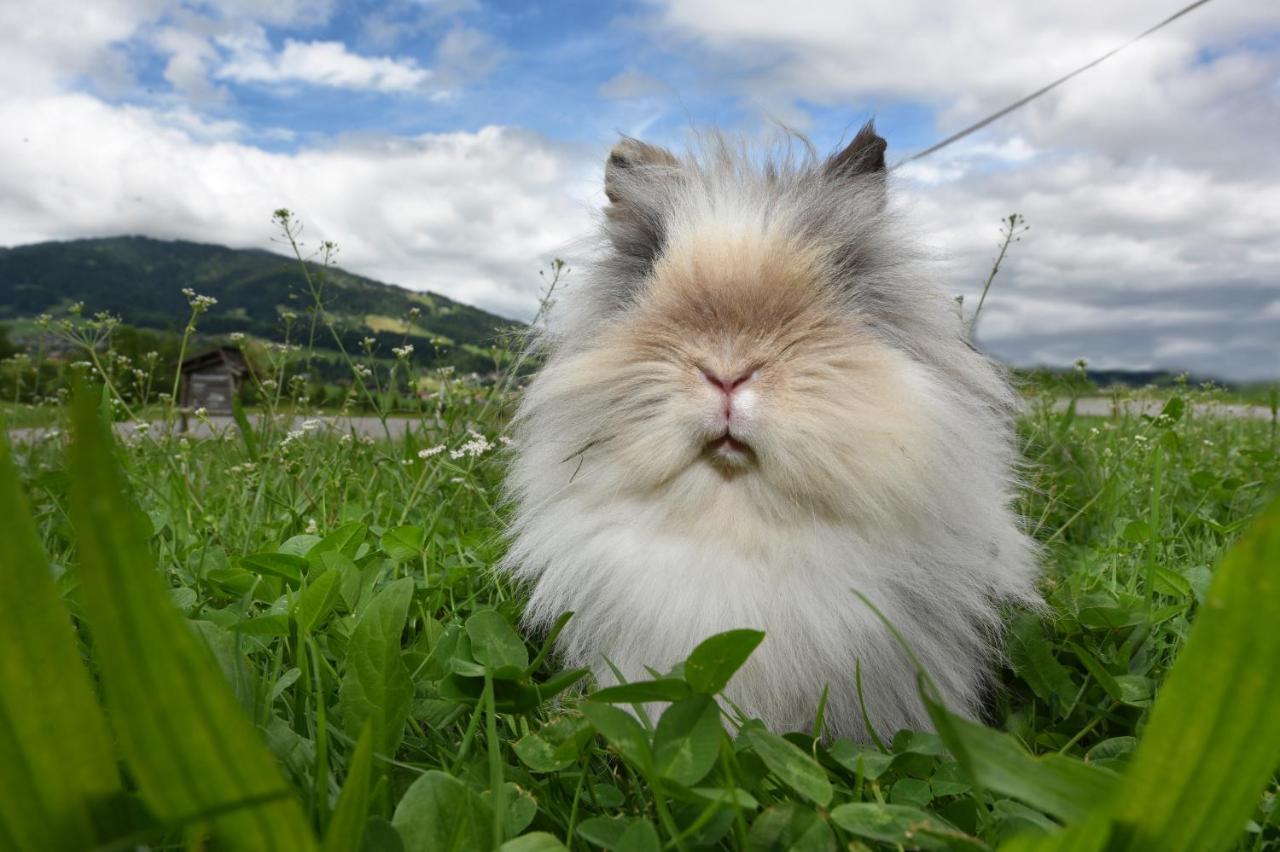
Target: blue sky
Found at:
x=456, y=145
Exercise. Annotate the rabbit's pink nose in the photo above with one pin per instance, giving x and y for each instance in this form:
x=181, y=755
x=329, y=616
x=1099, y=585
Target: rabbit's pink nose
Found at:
x=726, y=385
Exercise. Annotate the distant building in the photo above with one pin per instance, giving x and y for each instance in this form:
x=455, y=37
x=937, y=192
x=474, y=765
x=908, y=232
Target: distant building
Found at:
x=212, y=379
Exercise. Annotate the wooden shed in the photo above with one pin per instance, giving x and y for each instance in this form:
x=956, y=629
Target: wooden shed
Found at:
x=212, y=379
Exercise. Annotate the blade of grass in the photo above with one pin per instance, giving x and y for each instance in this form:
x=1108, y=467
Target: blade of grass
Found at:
x=346, y=829
x=179, y=728
x=1214, y=735
x=58, y=769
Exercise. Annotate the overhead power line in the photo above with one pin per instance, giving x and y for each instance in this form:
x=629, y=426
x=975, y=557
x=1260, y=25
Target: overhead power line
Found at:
x=1021, y=102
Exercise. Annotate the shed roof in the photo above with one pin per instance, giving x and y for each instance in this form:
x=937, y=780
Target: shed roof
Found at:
x=223, y=356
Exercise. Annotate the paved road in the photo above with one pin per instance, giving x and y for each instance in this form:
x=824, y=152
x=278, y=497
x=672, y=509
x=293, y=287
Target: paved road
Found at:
x=1100, y=406
x=372, y=427
x=219, y=425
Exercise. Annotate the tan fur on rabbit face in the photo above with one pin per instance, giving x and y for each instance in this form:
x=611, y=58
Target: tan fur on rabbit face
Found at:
x=824, y=414
x=756, y=404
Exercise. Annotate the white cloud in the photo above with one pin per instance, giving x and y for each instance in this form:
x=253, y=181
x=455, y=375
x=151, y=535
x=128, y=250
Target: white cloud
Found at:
x=1150, y=182
x=631, y=84
x=928, y=49
x=46, y=46
x=466, y=214
x=467, y=54
x=326, y=63
x=190, y=56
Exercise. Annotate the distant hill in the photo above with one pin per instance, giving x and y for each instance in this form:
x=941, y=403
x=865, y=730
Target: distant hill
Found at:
x=141, y=279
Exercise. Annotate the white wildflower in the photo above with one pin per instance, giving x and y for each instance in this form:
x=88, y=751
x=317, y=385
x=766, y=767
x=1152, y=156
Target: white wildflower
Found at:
x=477, y=446
x=237, y=336
x=402, y=352
x=312, y=527
x=431, y=451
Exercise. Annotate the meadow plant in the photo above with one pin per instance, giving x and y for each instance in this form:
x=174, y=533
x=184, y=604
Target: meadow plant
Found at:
x=288, y=636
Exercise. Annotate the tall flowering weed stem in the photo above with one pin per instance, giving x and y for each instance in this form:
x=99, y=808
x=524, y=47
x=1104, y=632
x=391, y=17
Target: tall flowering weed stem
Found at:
x=290, y=229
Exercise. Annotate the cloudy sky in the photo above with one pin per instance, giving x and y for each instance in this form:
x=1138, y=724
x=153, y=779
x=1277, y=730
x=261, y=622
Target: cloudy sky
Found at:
x=457, y=145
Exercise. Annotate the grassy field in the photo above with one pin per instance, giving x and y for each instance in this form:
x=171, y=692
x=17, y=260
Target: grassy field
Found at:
x=343, y=587
x=285, y=637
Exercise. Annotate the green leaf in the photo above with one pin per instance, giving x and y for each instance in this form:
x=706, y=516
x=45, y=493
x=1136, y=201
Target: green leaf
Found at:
x=1174, y=408
x=285, y=565
x=1104, y=678
x=538, y=841
x=557, y=683
x=642, y=691
x=58, y=765
x=381, y=836
x=1213, y=739
x=911, y=791
x=404, y=543
x=520, y=807
x=734, y=798
x=179, y=729
x=377, y=685
x=715, y=660
x=496, y=645
x=346, y=828
x=1058, y=785
x=346, y=540
x=790, y=826
x=555, y=746
x=440, y=813
x=1136, y=532
x=911, y=827
x=623, y=733
x=792, y=766
x=317, y=600
x=298, y=545
x=687, y=740
x=860, y=758
x=1091, y=836
x=604, y=832
x=1033, y=659
x=640, y=836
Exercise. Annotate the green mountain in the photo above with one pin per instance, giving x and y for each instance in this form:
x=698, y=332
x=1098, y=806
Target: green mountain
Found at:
x=141, y=280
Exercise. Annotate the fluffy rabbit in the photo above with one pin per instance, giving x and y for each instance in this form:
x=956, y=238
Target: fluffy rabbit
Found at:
x=755, y=404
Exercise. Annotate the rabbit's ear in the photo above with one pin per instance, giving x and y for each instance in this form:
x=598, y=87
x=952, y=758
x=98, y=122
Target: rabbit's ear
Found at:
x=637, y=180
x=863, y=156
x=633, y=163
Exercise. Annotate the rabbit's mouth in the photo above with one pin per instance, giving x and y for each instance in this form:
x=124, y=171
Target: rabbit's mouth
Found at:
x=730, y=450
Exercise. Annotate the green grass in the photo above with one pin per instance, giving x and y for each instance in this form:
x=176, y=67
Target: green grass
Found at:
x=364, y=664
x=281, y=639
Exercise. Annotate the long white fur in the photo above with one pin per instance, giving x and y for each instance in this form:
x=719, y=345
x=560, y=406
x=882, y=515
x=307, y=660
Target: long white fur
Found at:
x=885, y=451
